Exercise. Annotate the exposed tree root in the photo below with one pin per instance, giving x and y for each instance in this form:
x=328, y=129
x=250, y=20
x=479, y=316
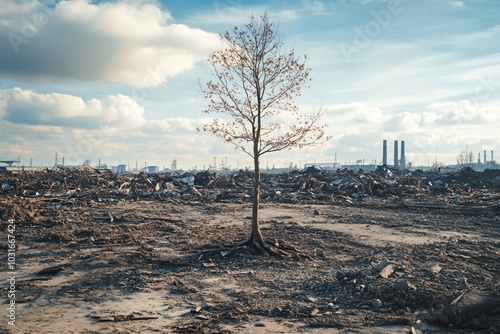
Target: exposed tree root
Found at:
x=274, y=248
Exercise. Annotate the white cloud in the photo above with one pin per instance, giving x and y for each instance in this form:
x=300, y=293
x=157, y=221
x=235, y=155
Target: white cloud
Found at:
x=27, y=107
x=465, y=111
x=124, y=42
x=234, y=12
x=457, y=4
x=313, y=5
x=356, y=140
x=403, y=122
x=458, y=114
x=175, y=125
x=356, y=111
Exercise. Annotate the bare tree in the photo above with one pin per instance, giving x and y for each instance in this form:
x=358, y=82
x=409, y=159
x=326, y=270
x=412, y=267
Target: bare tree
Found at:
x=254, y=82
x=465, y=158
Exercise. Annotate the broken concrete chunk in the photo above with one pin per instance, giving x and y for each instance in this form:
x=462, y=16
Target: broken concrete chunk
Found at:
x=402, y=285
x=381, y=265
x=201, y=317
x=311, y=299
x=170, y=186
x=387, y=271
x=436, y=269
x=209, y=264
x=196, y=309
x=376, y=303
x=314, y=312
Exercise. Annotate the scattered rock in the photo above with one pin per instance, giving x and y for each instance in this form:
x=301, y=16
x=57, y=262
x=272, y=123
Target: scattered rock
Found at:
x=381, y=265
x=402, y=285
x=201, y=317
x=436, y=269
x=196, y=309
x=387, y=271
x=311, y=299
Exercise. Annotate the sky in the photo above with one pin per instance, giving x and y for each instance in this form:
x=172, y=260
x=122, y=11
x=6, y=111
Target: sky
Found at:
x=118, y=81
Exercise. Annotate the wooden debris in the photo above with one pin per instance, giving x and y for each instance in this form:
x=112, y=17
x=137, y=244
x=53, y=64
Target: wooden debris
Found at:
x=51, y=270
x=456, y=300
x=209, y=265
x=201, y=317
x=121, y=317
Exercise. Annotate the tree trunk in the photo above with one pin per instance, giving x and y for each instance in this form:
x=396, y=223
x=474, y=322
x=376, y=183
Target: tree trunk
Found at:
x=256, y=235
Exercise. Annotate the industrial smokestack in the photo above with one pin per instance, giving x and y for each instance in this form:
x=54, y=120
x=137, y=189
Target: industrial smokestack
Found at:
x=479, y=158
x=403, y=161
x=396, y=153
x=384, y=153
x=484, y=161
x=492, y=156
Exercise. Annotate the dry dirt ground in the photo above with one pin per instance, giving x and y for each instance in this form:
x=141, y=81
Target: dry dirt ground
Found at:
x=128, y=266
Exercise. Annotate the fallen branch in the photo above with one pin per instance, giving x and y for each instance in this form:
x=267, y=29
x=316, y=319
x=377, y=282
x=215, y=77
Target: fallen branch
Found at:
x=120, y=317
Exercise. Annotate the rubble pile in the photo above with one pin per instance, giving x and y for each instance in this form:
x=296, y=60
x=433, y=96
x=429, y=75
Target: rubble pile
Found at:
x=431, y=190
